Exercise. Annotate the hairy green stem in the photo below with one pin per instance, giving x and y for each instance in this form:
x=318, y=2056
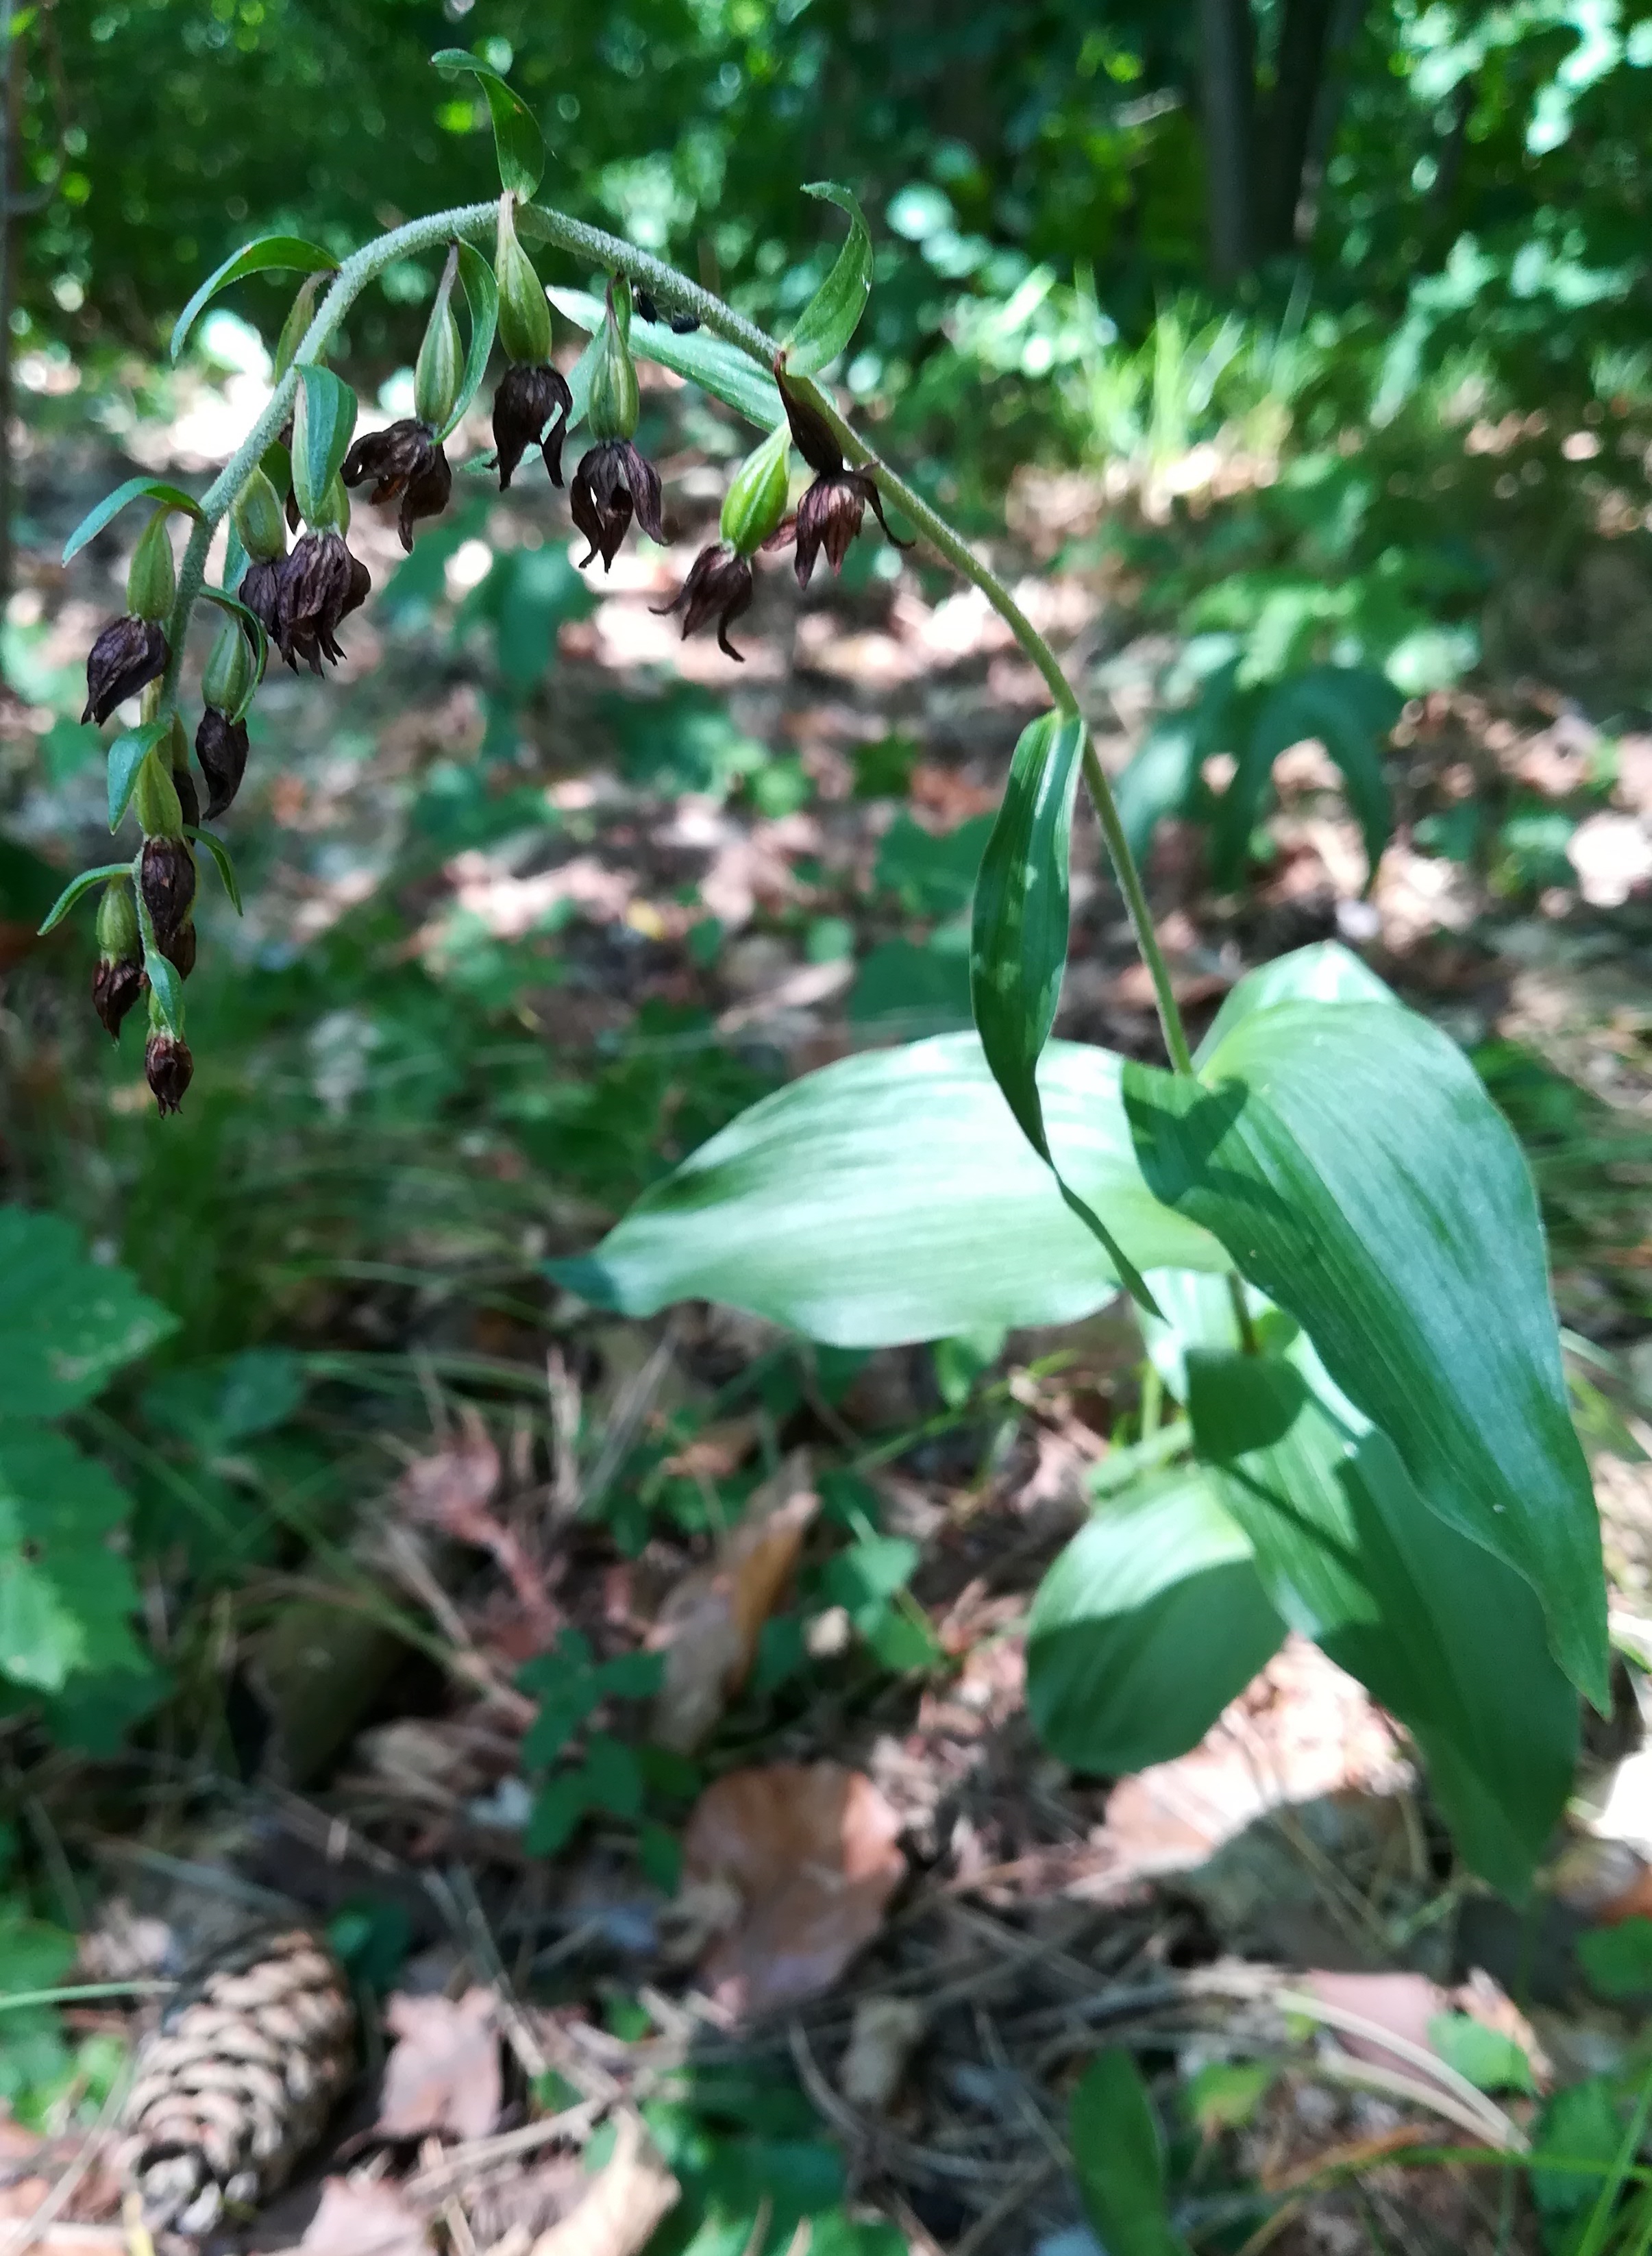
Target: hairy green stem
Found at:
x=597, y=247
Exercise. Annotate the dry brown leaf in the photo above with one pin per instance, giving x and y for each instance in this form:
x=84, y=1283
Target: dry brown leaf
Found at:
x=630, y=2198
x=812, y=1849
x=443, y=2073
x=364, y=2216
x=883, y=2038
x=709, y=1626
x=450, y=1489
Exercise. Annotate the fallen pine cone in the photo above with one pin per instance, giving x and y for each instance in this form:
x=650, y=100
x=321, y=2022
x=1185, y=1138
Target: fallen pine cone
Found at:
x=238, y=2081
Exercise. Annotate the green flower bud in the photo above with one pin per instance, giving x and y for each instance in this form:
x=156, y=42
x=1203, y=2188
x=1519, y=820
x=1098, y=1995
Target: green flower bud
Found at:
x=524, y=317
x=441, y=356
x=227, y=682
x=155, y=799
x=260, y=520
x=333, y=515
x=755, y=501
x=151, y=583
x=117, y=940
x=612, y=412
x=296, y=327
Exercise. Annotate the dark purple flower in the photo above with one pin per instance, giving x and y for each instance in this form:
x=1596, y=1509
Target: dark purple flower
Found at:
x=168, y=1069
x=719, y=585
x=613, y=481
x=129, y=654
x=166, y=881
x=178, y=948
x=260, y=591
x=531, y=408
x=833, y=508
x=188, y=798
x=321, y=582
x=220, y=746
x=406, y=461
x=115, y=987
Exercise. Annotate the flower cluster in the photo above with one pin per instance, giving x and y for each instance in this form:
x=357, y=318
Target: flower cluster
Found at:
x=296, y=580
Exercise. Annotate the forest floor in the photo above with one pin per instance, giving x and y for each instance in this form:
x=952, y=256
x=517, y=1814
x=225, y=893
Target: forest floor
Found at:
x=537, y=897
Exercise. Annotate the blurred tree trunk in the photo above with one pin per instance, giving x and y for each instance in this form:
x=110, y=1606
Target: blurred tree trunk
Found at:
x=1229, y=72
x=1299, y=71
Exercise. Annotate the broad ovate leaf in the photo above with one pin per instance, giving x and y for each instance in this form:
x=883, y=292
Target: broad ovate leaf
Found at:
x=1119, y=2156
x=270, y=254
x=1150, y=1621
x=112, y=504
x=1446, y=1637
x=323, y=418
x=66, y=1324
x=518, y=140
x=1326, y=972
x=717, y=367
x=832, y=315
x=1349, y=1160
x=891, y=1196
x=1018, y=937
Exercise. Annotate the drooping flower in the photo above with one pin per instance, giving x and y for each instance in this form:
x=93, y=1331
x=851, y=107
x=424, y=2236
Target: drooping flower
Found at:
x=220, y=746
x=407, y=461
x=115, y=987
x=531, y=408
x=834, y=506
x=318, y=584
x=166, y=880
x=168, y=1067
x=718, y=586
x=129, y=652
x=118, y=980
x=612, y=483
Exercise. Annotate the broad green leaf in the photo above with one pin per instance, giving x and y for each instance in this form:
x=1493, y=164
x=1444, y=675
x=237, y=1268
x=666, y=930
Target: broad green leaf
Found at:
x=279, y=254
x=1349, y=1160
x=111, y=505
x=1490, y=2060
x=222, y=862
x=716, y=366
x=892, y=1197
x=126, y=755
x=66, y=1599
x=1150, y=1621
x=1581, y=2125
x=482, y=296
x=833, y=314
x=1327, y=972
x=234, y=608
x=516, y=138
x=1195, y=1310
x=1350, y=709
x=78, y=888
x=1617, y=1961
x=1120, y=2159
x=66, y=1324
x=323, y=418
x=1018, y=939
x=1445, y=1636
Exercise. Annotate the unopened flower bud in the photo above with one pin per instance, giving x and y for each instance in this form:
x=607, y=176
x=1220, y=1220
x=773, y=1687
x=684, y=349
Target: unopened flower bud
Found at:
x=755, y=501
x=115, y=987
x=168, y=1067
x=178, y=947
x=128, y=655
x=524, y=317
x=155, y=800
x=299, y=316
x=260, y=519
x=227, y=681
x=613, y=409
x=441, y=356
x=166, y=880
x=151, y=583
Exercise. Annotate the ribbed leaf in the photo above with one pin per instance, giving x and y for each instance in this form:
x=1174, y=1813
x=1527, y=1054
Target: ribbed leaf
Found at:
x=1446, y=1637
x=270, y=254
x=891, y=1197
x=1018, y=937
x=718, y=368
x=1354, y=1167
x=1327, y=972
x=833, y=314
x=323, y=418
x=1150, y=1621
x=134, y=489
x=518, y=140
x=482, y=296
